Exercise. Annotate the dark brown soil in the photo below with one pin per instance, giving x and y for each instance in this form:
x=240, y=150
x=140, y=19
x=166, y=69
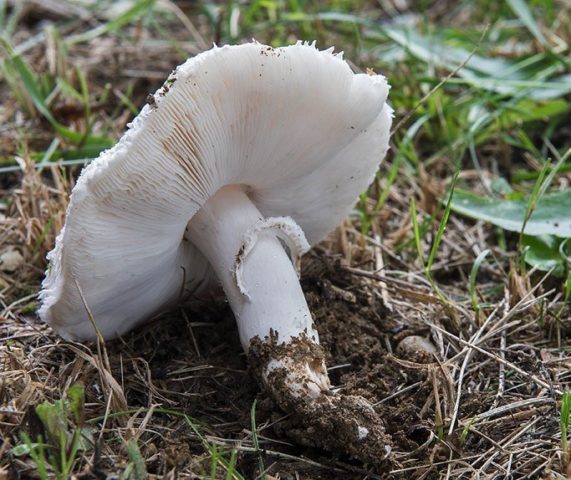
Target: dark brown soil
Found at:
x=462, y=392
x=358, y=338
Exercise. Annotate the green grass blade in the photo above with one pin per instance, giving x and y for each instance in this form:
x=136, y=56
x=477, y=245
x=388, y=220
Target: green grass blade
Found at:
x=132, y=14
x=38, y=458
x=521, y=9
x=34, y=90
x=416, y=231
x=28, y=79
x=390, y=178
x=255, y=441
x=230, y=473
x=442, y=225
x=539, y=189
x=472, y=279
x=48, y=154
x=564, y=419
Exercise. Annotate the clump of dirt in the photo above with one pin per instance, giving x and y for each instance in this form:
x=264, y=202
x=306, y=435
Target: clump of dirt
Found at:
x=319, y=417
x=359, y=337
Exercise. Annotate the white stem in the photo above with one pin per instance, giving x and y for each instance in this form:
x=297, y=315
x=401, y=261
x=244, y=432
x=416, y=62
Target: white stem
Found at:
x=274, y=302
x=262, y=287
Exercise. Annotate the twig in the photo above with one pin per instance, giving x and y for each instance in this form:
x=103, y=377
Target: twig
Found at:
x=513, y=406
x=532, y=377
x=467, y=358
x=510, y=440
x=191, y=331
x=502, y=371
x=399, y=392
x=379, y=267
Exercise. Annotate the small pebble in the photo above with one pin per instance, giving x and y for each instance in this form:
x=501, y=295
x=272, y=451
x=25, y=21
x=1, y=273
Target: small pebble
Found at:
x=415, y=344
x=11, y=260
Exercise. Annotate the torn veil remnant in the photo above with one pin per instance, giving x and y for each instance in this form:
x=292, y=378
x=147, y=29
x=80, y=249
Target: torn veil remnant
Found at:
x=243, y=146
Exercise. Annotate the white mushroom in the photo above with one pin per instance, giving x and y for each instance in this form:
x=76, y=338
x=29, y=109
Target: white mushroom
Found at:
x=244, y=149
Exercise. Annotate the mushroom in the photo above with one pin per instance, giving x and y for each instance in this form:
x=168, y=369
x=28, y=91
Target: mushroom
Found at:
x=243, y=159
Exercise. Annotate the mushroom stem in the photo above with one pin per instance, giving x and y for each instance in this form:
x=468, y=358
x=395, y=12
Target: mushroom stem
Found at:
x=274, y=302
x=277, y=331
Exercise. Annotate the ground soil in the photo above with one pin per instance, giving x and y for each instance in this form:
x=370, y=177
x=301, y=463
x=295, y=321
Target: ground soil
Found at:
x=358, y=339
x=181, y=385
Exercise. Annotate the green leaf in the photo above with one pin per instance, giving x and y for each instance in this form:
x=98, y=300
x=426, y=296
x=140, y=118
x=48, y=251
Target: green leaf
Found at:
x=534, y=78
x=139, y=471
x=23, y=449
x=551, y=216
x=501, y=186
x=536, y=89
x=472, y=278
x=531, y=110
x=434, y=51
x=76, y=395
x=54, y=419
x=544, y=253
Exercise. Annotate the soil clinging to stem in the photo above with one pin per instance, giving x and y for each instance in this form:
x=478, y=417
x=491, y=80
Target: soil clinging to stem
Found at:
x=319, y=416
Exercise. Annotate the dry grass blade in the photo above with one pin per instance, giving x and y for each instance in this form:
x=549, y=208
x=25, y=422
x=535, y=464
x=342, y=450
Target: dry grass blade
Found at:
x=532, y=377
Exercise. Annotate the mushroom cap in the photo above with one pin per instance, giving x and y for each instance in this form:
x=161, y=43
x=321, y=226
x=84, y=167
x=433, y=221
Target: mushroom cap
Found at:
x=294, y=125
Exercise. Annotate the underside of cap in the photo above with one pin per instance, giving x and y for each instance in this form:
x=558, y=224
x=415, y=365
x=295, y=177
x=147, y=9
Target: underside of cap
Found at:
x=294, y=125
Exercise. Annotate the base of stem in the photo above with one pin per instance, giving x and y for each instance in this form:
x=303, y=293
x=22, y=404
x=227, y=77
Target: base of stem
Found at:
x=294, y=376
